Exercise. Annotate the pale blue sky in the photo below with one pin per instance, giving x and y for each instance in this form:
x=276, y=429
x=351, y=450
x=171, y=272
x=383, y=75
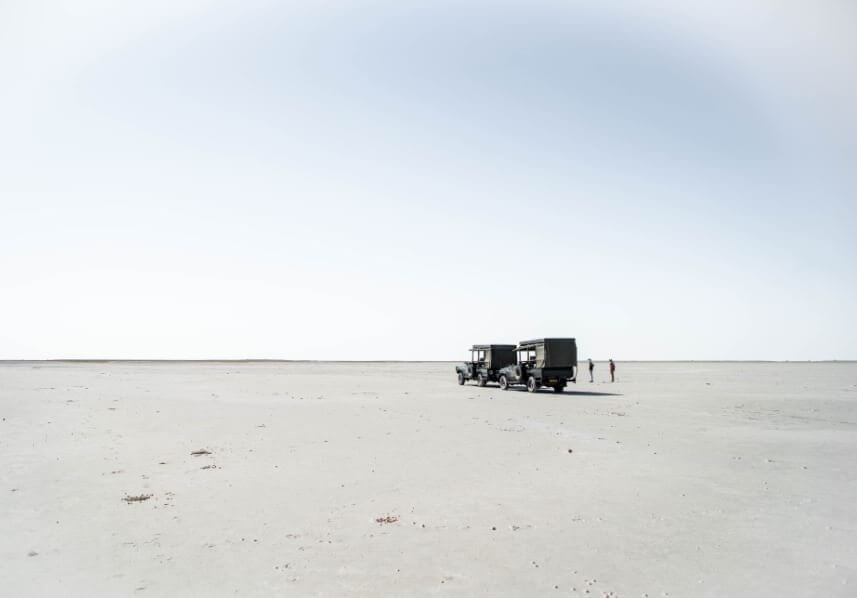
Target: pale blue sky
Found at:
x=398, y=180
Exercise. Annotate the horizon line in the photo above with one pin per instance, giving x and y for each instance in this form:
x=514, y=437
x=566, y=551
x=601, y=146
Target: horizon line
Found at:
x=275, y=360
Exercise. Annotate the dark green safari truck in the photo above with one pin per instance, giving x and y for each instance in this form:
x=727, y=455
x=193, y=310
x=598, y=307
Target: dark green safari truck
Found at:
x=542, y=362
x=485, y=363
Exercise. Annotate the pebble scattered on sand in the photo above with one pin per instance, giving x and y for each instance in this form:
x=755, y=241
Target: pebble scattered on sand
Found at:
x=137, y=498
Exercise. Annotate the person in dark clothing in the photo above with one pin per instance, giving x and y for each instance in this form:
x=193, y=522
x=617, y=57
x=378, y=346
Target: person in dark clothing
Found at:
x=612, y=371
x=591, y=368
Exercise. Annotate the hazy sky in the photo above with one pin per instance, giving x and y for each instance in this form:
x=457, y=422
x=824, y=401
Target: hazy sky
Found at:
x=394, y=179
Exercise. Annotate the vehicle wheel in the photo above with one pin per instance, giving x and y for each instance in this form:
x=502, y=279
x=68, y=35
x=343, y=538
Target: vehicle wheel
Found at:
x=504, y=384
x=460, y=378
x=531, y=384
x=481, y=380
x=558, y=388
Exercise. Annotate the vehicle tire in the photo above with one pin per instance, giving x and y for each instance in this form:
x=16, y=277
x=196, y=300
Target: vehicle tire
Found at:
x=504, y=384
x=532, y=386
x=460, y=378
x=481, y=381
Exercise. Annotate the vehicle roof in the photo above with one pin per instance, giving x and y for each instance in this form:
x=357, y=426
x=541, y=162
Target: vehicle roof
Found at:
x=541, y=341
x=484, y=347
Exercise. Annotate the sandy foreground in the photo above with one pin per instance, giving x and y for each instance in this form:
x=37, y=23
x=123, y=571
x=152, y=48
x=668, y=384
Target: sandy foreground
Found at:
x=681, y=479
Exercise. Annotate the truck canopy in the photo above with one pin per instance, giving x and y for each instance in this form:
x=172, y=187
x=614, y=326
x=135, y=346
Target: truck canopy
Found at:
x=552, y=352
x=497, y=356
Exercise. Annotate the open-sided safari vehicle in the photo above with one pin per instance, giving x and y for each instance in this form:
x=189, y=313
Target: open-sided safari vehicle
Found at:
x=485, y=363
x=542, y=362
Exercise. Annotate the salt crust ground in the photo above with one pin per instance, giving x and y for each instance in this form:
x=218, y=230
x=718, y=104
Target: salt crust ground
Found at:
x=681, y=479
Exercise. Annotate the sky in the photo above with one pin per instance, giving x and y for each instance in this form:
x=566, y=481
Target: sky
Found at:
x=182, y=179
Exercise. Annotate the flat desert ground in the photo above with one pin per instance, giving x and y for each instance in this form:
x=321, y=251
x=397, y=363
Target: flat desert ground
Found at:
x=389, y=479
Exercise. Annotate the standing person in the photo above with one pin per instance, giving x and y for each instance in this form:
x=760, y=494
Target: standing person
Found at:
x=612, y=371
x=591, y=368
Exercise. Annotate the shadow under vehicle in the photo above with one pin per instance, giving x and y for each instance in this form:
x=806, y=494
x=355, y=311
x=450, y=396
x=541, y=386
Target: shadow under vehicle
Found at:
x=542, y=362
x=485, y=363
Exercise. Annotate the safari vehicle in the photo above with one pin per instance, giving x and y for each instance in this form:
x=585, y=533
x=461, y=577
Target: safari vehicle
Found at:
x=485, y=363
x=542, y=362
